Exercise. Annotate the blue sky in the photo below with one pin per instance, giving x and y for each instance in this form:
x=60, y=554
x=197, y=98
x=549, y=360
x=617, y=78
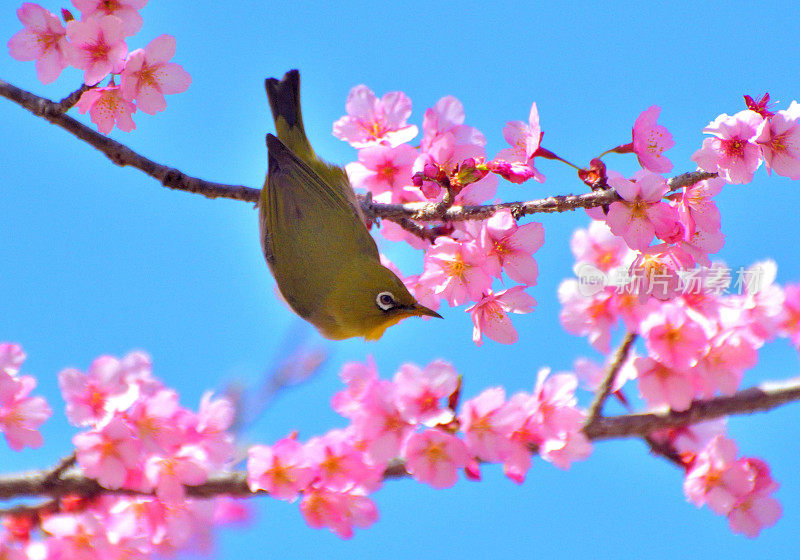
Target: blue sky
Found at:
x=101, y=259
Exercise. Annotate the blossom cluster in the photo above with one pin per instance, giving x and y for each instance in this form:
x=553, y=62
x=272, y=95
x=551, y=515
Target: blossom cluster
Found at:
x=413, y=417
x=137, y=437
x=739, y=488
x=461, y=264
x=95, y=43
x=698, y=343
x=449, y=166
x=20, y=413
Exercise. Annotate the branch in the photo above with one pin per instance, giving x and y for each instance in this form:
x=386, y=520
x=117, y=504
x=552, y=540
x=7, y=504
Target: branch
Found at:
x=605, y=389
x=401, y=213
x=754, y=399
x=119, y=153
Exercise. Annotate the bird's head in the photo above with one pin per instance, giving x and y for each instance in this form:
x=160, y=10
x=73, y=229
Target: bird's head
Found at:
x=371, y=300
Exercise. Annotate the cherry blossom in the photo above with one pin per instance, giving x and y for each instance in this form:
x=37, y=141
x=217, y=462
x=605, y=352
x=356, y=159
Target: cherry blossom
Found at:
x=97, y=46
x=490, y=314
x=384, y=171
x=148, y=75
x=20, y=414
x=651, y=140
x=125, y=10
x=641, y=214
x=780, y=142
x=419, y=392
x=107, y=107
x=434, y=457
x=455, y=270
x=733, y=151
x=44, y=39
x=372, y=121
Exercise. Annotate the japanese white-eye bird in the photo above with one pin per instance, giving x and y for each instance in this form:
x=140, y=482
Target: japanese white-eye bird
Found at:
x=315, y=238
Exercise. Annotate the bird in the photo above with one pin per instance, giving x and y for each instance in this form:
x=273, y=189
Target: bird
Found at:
x=315, y=238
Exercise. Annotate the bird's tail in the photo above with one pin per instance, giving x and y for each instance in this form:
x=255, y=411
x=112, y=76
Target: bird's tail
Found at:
x=284, y=100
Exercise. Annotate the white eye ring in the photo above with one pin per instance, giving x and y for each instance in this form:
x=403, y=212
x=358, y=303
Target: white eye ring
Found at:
x=385, y=301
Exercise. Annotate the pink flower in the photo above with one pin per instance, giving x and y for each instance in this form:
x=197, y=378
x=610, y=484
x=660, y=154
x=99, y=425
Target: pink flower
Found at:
x=729, y=354
x=420, y=391
x=44, y=40
x=674, y=337
x=513, y=246
x=283, y=470
x=662, y=386
x=790, y=319
x=359, y=379
x=512, y=171
x=716, y=478
x=20, y=414
x=732, y=152
x=447, y=117
x=757, y=509
x=107, y=453
x=423, y=292
x=696, y=208
x=760, y=302
x=555, y=422
x=91, y=397
x=434, y=457
x=11, y=357
x=587, y=316
x=445, y=156
x=657, y=271
x=754, y=513
x=169, y=474
x=213, y=419
x=339, y=511
x=524, y=140
x=598, y=246
x=487, y=423
x=371, y=121
x=780, y=142
x=490, y=314
x=77, y=536
x=339, y=466
x=456, y=270
x=125, y=10
x=97, y=46
x=651, y=140
x=383, y=170
x=148, y=75
x=153, y=419
x=691, y=440
x=107, y=107
x=380, y=423
x=641, y=214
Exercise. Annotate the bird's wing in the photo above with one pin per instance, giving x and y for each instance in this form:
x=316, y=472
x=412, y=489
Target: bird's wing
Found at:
x=308, y=229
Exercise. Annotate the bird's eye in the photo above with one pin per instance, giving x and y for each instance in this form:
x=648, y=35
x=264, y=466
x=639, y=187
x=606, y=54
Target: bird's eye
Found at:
x=385, y=301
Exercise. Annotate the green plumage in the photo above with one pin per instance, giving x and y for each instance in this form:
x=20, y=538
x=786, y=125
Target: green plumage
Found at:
x=313, y=233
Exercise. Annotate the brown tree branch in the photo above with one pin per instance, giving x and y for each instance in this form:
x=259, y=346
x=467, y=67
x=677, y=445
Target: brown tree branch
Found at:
x=401, y=213
x=605, y=389
x=754, y=399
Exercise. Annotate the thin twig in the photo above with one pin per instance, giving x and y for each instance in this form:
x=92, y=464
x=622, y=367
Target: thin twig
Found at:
x=72, y=99
x=175, y=179
x=607, y=386
x=55, y=473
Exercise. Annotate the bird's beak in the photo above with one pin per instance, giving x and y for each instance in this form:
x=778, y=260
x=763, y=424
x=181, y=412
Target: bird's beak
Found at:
x=418, y=309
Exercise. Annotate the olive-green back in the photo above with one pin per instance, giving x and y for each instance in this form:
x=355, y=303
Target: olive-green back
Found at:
x=310, y=228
